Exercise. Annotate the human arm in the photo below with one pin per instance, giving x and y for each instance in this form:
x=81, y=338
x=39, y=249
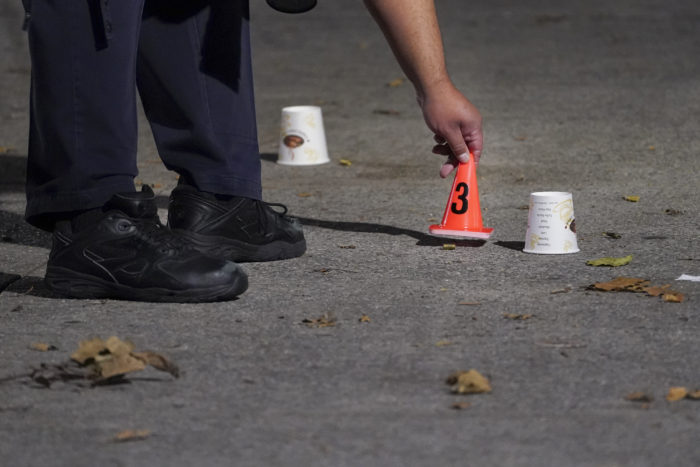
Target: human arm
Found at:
x=412, y=30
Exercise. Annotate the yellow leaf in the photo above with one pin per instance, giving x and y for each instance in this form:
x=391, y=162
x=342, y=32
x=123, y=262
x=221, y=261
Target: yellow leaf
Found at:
x=345, y=162
x=449, y=246
x=639, y=397
x=324, y=321
x=676, y=393
x=364, y=319
x=395, y=83
x=468, y=382
x=132, y=435
x=158, y=362
x=631, y=199
x=118, y=347
x=119, y=365
x=673, y=297
x=88, y=350
x=609, y=261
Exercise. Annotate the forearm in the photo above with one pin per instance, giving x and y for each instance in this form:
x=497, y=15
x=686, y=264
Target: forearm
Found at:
x=412, y=30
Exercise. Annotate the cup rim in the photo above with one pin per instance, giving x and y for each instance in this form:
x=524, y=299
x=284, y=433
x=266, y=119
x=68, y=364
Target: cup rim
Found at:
x=551, y=193
x=301, y=108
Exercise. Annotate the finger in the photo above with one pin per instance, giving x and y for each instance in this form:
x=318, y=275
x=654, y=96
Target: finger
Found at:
x=448, y=167
x=442, y=149
x=475, y=142
x=458, y=145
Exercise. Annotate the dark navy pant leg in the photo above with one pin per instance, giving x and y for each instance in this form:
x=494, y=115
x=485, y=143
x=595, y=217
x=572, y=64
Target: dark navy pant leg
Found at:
x=194, y=76
x=82, y=144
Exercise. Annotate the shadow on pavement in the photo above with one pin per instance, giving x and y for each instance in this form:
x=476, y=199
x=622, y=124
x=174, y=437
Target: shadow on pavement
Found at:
x=13, y=173
x=518, y=246
x=32, y=285
x=423, y=238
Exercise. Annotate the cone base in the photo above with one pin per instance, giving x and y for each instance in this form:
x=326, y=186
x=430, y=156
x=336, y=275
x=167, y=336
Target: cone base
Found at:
x=445, y=232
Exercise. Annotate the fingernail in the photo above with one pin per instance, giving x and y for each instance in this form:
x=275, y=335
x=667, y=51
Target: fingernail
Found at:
x=463, y=158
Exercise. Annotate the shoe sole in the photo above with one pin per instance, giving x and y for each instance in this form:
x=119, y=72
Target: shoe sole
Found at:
x=241, y=252
x=78, y=285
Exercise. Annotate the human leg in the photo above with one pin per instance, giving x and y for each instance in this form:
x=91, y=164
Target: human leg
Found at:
x=82, y=138
x=195, y=79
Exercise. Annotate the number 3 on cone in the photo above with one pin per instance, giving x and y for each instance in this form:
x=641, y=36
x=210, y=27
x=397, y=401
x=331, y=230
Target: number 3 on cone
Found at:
x=461, y=186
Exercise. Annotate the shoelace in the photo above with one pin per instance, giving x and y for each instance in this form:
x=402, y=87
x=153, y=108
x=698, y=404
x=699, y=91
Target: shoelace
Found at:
x=154, y=233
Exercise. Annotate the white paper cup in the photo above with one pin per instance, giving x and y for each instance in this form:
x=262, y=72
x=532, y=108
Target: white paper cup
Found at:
x=551, y=226
x=302, y=137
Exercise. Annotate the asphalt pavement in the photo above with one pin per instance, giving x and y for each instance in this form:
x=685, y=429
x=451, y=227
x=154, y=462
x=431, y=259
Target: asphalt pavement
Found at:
x=598, y=98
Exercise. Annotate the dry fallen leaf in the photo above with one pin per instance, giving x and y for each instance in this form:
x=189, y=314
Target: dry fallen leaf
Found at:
x=114, y=357
x=614, y=235
x=517, y=316
x=608, y=261
x=468, y=382
x=656, y=290
x=461, y=405
x=345, y=162
x=635, y=284
x=674, y=212
x=564, y=290
x=639, y=397
x=395, y=83
x=324, y=321
x=673, y=297
x=676, y=393
x=449, y=246
x=621, y=284
x=42, y=346
x=158, y=362
x=364, y=319
x=304, y=194
x=386, y=112
x=631, y=198
x=694, y=395
x=443, y=343
x=132, y=435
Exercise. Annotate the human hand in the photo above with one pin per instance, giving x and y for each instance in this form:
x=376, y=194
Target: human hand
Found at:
x=455, y=122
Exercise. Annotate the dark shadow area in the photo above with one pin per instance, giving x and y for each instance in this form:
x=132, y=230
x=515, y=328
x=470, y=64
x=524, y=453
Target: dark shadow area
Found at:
x=424, y=239
x=13, y=173
x=14, y=229
x=34, y=286
x=7, y=279
x=518, y=246
x=268, y=156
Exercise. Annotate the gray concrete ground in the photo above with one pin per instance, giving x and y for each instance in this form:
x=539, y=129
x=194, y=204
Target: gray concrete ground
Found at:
x=599, y=98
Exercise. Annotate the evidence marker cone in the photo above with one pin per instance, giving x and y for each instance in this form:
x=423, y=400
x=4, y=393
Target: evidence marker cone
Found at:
x=462, y=216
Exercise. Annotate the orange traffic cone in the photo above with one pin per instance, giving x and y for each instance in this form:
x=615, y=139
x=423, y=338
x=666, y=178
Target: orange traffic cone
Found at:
x=462, y=216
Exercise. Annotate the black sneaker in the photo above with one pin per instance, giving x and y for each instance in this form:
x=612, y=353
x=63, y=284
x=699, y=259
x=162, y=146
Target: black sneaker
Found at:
x=128, y=254
x=237, y=228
